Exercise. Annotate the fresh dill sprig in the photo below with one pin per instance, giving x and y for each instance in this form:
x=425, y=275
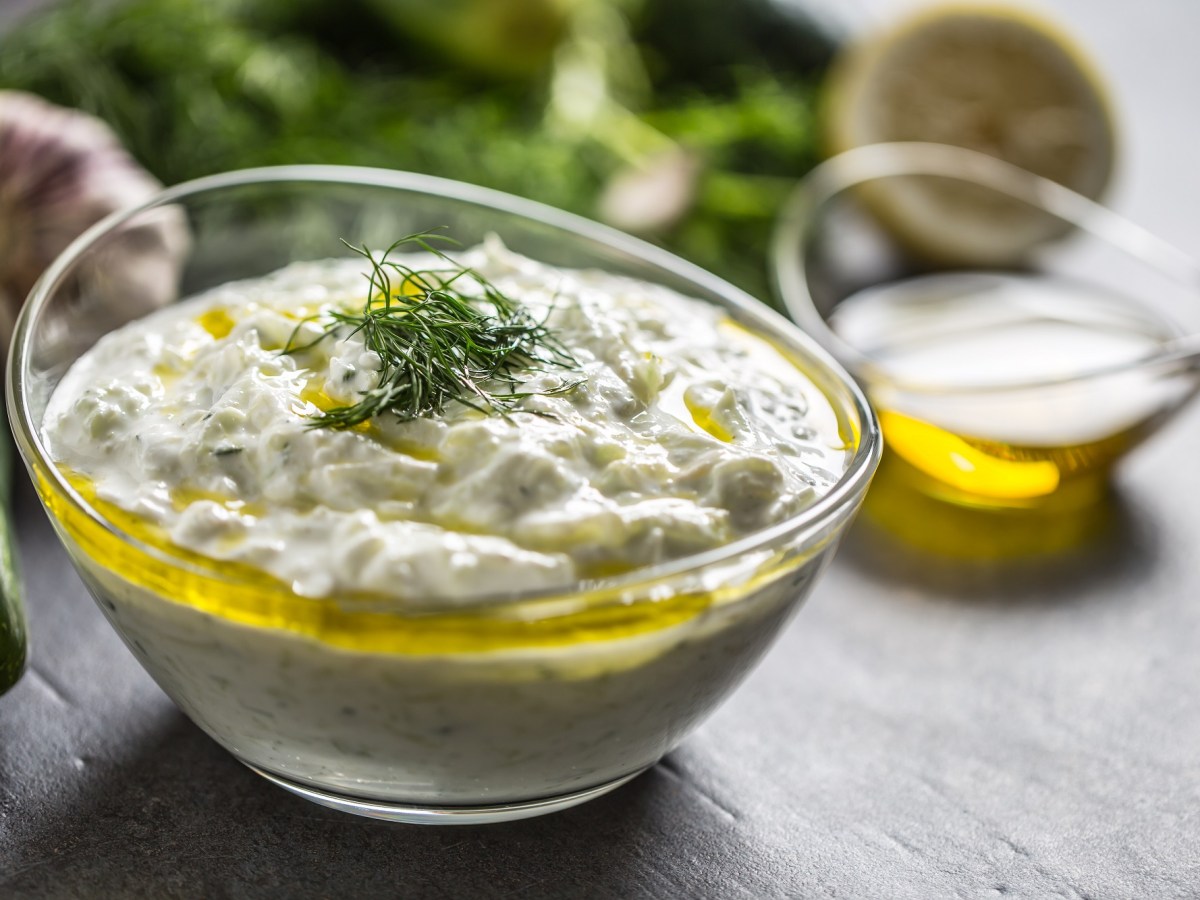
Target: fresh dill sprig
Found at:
x=437, y=344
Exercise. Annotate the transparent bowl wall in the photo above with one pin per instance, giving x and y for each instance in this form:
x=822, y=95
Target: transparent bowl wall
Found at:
x=522, y=699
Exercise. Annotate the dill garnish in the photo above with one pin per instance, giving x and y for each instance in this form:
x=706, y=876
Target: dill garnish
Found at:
x=437, y=344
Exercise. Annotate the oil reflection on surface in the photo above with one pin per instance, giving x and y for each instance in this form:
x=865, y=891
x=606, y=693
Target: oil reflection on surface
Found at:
x=1091, y=533
x=922, y=512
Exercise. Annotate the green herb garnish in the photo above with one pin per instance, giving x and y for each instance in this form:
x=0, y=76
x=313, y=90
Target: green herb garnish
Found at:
x=437, y=344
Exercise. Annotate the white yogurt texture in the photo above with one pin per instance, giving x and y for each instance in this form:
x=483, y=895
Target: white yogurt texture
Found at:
x=688, y=433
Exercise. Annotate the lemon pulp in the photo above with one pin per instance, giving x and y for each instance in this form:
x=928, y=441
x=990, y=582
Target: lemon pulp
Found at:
x=992, y=79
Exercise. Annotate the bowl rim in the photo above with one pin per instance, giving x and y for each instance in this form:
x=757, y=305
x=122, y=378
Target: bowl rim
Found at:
x=810, y=522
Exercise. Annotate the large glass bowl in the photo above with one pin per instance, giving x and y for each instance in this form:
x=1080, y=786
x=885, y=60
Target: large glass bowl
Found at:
x=521, y=705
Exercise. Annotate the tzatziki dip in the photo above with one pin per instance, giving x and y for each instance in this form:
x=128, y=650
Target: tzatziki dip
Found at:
x=680, y=432
x=262, y=427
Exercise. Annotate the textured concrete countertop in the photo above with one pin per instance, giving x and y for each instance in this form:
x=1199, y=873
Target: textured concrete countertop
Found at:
x=921, y=730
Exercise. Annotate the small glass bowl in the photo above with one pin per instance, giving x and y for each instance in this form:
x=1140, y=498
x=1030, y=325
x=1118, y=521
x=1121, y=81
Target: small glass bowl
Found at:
x=521, y=705
x=1040, y=443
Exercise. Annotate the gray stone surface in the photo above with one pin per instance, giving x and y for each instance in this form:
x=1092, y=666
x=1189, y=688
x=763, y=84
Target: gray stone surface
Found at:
x=922, y=730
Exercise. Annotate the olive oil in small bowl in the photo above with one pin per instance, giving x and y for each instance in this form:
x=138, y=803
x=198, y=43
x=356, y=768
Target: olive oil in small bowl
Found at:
x=1005, y=390
x=1011, y=391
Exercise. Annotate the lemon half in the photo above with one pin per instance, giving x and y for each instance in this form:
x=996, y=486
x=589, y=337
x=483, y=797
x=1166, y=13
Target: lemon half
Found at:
x=993, y=79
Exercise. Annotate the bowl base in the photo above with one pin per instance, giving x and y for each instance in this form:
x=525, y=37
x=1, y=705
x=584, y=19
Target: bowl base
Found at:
x=443, y=815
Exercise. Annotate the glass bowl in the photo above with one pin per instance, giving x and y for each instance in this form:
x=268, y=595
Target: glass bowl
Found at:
x=521, y=705
x=1008, y=376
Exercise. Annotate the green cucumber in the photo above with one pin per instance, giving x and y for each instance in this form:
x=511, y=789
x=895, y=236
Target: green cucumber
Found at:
x=12, y=609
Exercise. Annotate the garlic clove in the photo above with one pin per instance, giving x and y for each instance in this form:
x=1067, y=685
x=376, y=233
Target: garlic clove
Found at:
x=652, y=198
x=61, y=171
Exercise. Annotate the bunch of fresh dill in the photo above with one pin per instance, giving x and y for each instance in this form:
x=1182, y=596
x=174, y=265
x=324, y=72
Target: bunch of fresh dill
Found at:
x=198, y=86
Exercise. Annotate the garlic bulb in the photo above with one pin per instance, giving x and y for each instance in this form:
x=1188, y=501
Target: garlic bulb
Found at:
x=60, y=172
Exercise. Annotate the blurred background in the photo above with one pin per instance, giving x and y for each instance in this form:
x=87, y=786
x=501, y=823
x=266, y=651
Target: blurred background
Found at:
x=684, y=121
x=681, y=120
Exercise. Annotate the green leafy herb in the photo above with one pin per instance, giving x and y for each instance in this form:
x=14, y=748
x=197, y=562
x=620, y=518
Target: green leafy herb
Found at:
x=194, y=87
x=437, y=344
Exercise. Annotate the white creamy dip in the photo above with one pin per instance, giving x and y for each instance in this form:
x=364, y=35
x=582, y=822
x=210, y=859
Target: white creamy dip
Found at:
x=688, y=433
x=191, y=427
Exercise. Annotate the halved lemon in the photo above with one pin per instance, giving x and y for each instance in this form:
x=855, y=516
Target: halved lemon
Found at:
x=992, y=79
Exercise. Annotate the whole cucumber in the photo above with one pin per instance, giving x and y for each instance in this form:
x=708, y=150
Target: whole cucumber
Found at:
x=700, y=45
x=508, y=39
x=12, y=610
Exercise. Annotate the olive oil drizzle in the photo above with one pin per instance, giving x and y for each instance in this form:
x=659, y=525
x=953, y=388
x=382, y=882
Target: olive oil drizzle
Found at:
x=248, y=596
